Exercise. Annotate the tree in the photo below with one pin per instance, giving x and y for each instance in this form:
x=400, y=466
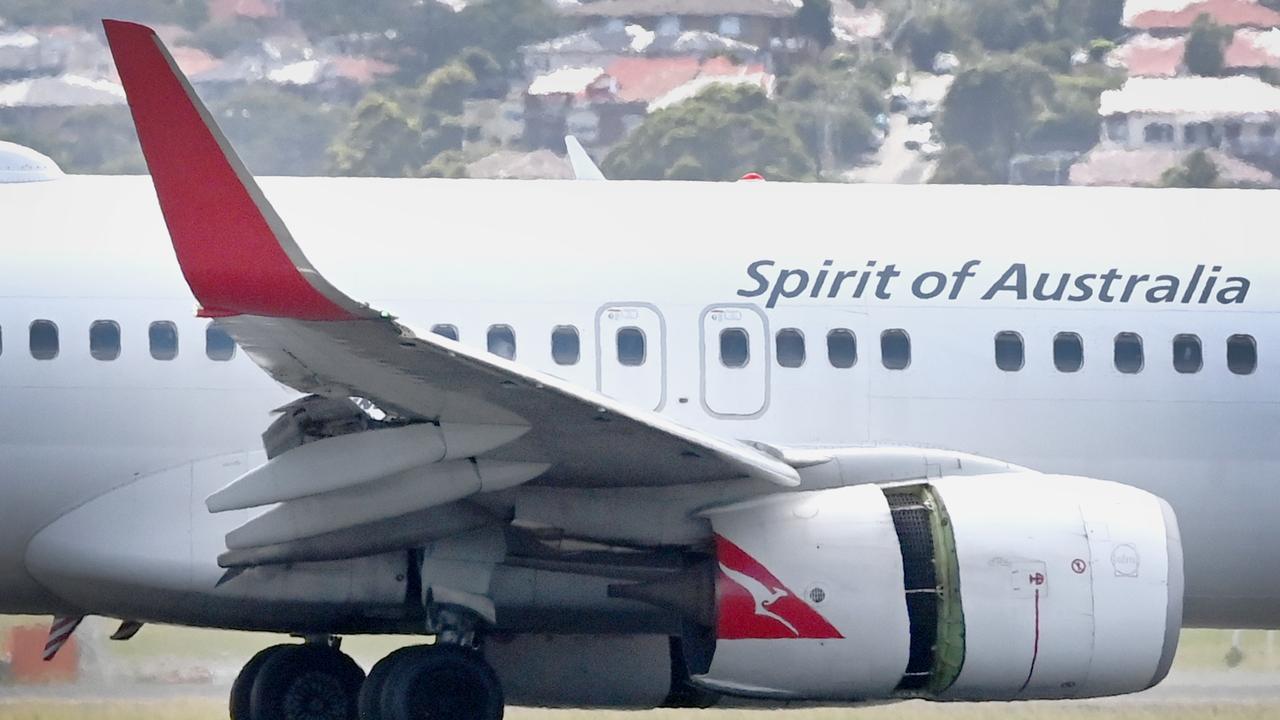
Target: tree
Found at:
x=831, y=109
x=446, y=88
x=382, y=140
x=1206, y=47
x=927, y=36
x=1198, y=170
x=1006, y=25
x=1104, y=19
x=959, y=166
x=992, y=106
x=277, y=132
x=721, y=134
x=813, y=20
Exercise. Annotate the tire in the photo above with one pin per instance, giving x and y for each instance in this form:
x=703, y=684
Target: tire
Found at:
x=369, y=703
x=442, y=682
x=243, y=686
x=306, y=682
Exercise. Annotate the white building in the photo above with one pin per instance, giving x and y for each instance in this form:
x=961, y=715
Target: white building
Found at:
x=1238, y=114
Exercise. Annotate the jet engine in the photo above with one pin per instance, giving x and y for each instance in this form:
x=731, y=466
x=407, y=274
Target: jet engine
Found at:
x=998, y=587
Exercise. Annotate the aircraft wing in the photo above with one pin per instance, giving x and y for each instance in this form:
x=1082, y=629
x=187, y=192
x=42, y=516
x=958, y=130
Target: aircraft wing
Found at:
x=246, y=270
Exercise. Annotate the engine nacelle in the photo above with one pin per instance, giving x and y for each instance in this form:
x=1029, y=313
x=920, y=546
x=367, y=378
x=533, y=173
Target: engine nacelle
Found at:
x=998, y=587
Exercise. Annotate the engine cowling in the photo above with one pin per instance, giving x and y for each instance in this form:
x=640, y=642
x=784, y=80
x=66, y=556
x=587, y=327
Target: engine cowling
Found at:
x=1010, y=586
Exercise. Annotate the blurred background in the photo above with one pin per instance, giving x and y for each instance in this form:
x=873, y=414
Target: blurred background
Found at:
x=1084, y=92
x=1079, y=92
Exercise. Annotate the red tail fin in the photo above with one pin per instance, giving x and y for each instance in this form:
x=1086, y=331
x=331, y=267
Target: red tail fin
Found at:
x=235, y=252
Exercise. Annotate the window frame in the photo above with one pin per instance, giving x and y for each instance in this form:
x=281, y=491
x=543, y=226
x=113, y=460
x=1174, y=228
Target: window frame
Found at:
x=1199, y=353
x=1079, y=341
x=446, y=330
x=151, y=341
x=1022, y=349
x=565, y=330
x=778, y=354
x=885, y=335
x=746, y=339
x=1253, y=349
x=115, y=327
x=499, y=327
x=1115, y=352
x=644, y=345
x=211, y=329
x=57, y=339
x=853, y=339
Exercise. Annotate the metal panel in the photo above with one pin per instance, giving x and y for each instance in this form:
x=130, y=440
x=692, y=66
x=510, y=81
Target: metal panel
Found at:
x=644, y=384
x=733, y=387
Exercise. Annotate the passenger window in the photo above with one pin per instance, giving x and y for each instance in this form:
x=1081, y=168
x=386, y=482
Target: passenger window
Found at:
x=104, y=340
x=44, y=340
x=1128, y=353
x=163, y=337
x=1010, y=354
x=631, y=346
x=218, y=345
x=1242, y=354
x=1187, y=354
x=502, y=341
x=1068, y=352
x=790, y=347
x=842, y=348
x=735, y=347
x=443, y=330
x=895, y=349
x=565, y=346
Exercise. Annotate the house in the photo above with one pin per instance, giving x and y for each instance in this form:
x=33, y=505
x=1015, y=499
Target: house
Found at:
x=1228, y=13
x=1250, y=51
x=1238, y=114
x=614, y=40
x=601, y=105
x=1146, y=167
x=763, y=23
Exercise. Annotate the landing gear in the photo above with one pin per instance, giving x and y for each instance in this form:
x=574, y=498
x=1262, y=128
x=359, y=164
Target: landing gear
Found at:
x=432, y=681
x=297, y=682
x=316, y=681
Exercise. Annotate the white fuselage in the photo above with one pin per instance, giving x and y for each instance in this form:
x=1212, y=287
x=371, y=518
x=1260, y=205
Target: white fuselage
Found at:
x=681, y=262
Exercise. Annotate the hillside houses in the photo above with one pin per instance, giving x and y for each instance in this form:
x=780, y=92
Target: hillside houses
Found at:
x=1162, y=112
x=600, y=105
x=763, y=23
x=632, y=57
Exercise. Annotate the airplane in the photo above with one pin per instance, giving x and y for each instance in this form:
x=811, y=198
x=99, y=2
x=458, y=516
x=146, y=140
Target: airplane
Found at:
x=966, y=443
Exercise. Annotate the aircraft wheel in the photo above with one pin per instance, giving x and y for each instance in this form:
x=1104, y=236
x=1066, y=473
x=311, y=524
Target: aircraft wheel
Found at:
x=306, y=682
x=243, y=685
x=444, y=682
x=369, y=703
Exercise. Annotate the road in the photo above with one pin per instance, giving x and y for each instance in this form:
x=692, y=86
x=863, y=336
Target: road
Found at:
x=894, y=163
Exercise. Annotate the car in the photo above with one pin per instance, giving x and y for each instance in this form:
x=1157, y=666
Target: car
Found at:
x=921, y=111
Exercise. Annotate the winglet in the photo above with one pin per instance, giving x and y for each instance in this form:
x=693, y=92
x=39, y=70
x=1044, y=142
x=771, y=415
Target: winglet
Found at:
x=584, y=168
x=235, y=252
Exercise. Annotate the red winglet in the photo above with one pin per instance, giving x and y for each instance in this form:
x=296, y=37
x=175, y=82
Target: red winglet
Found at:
x=235, y=252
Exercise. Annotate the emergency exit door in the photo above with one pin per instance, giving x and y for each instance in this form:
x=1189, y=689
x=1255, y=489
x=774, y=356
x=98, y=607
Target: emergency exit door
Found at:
x=735, y=360
x=631, y=357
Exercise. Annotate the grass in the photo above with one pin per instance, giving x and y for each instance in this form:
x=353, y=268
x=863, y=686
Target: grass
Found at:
x=1197, y=649
x=212, y=709
x=166, y=647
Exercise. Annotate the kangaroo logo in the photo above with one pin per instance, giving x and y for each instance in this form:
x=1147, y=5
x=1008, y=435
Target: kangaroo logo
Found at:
x=754, y=604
